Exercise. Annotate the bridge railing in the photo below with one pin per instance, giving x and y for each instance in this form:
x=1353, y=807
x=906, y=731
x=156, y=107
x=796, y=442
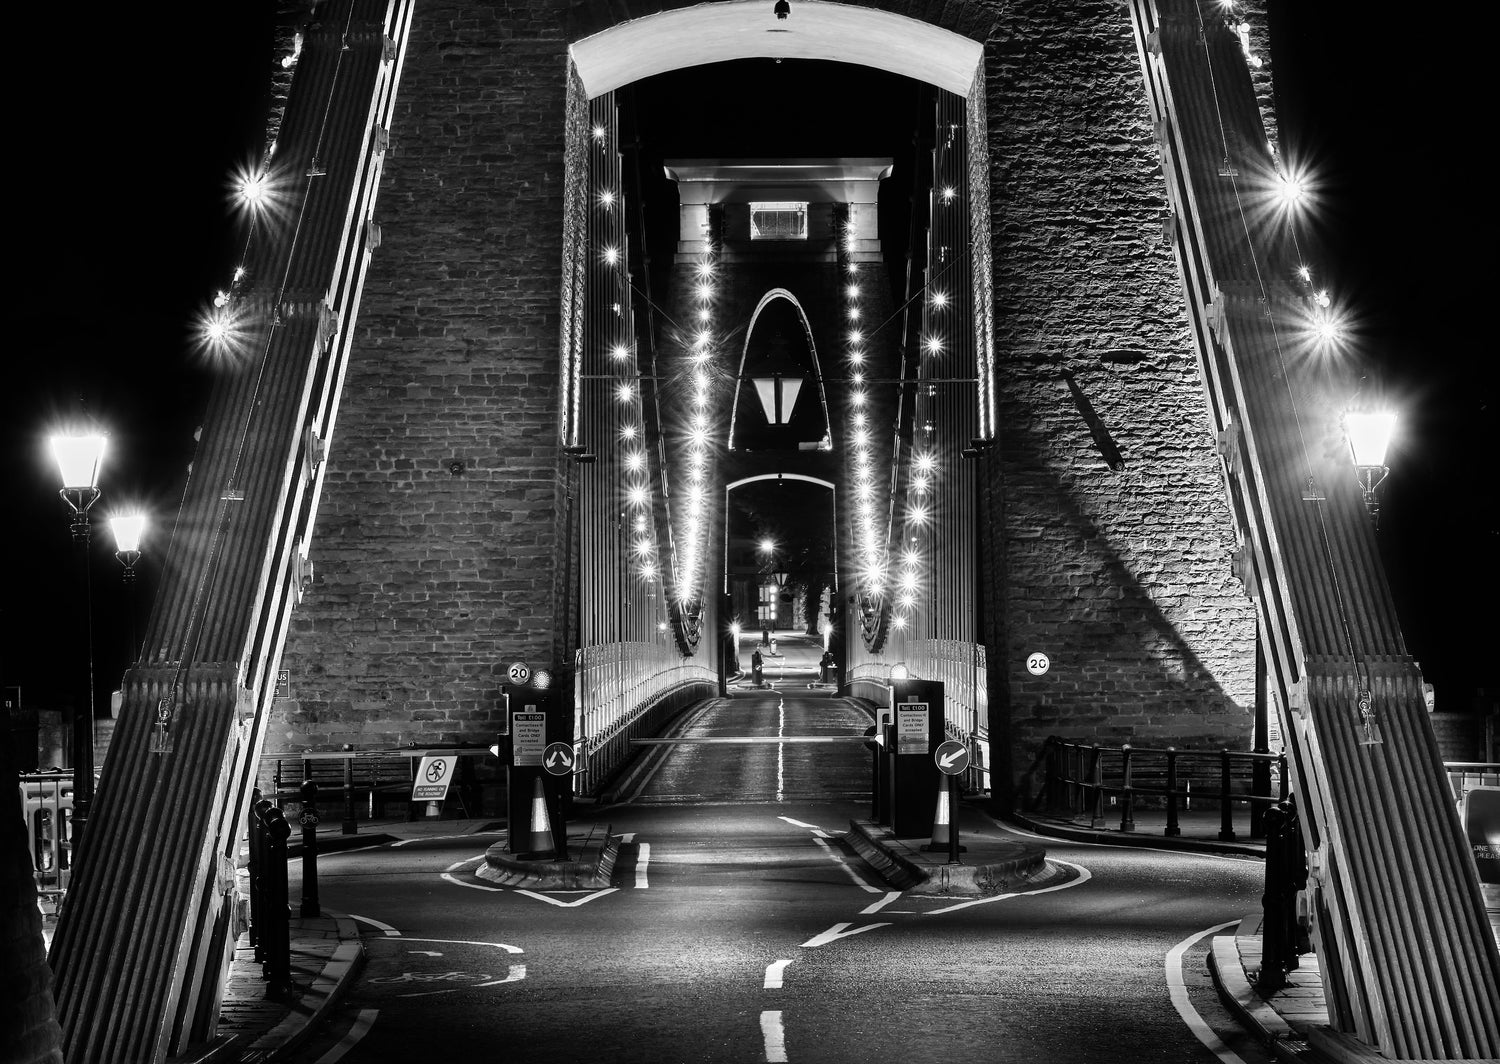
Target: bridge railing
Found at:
x=625, y=691
x=1092, y=781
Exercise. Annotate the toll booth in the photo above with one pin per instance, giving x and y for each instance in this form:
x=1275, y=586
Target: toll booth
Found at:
x=539, y=723
x=911, y=731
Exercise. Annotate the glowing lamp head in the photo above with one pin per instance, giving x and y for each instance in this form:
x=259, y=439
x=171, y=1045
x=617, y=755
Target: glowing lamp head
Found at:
x=78, y=460
x=1369, y=434
x=128, y=530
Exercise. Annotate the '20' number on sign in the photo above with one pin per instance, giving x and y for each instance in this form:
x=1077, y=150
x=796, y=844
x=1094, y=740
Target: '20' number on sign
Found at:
x=1037, y=663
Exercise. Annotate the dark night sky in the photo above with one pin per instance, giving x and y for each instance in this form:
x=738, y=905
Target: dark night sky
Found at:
x=120, y=231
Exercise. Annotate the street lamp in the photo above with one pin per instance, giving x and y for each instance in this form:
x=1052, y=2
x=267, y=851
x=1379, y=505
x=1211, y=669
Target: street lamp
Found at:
x=1369, y=434
x=78, y=461
x=128, y=530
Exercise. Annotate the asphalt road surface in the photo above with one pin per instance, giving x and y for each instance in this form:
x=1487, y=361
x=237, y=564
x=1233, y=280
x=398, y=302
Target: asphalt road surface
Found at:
x=739, y=928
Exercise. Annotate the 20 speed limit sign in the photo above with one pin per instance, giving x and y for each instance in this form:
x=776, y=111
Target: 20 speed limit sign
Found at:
x=1038, y=663
x=519, y=672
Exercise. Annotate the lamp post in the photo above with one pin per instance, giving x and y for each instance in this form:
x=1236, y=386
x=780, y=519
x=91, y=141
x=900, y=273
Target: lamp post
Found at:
x=78, y=460
x=1369, y=435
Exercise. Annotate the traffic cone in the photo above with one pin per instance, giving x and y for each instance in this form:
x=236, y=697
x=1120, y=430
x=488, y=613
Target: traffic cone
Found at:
x=942, y=821
x=541, y=824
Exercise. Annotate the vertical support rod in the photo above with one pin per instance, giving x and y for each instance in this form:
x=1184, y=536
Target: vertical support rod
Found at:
x=1226, y=811
x=1127, y=797
x=351, y=823
x=1260, y=779
x=310, y=849
x=1097, y=778
x=1172, y=828
x=257, y=870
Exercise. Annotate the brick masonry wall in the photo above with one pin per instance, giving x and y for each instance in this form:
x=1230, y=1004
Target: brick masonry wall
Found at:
x=1121, y=577
x=428, y=583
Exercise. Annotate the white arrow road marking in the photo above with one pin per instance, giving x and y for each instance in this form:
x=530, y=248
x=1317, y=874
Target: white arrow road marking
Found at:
x=386, y=928
x=1084, y=875
x=875, y=907
x=770, y=1029
x=836, y=932
x=469, y=942
x=642, y=859
x=362, y=1024
x=569, y=904
x=773, y=974
x=1184, y=1006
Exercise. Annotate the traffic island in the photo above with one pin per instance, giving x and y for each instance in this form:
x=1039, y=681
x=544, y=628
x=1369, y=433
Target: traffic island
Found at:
x=990, y=865
x=589, y=865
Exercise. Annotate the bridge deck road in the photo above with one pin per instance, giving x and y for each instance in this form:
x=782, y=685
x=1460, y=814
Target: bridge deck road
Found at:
x=738, y=928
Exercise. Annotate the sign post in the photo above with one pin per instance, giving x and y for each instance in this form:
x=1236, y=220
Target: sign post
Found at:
x=952, y=757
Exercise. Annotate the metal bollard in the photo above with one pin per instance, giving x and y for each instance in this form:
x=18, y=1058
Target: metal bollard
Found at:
x=258, y=807
x=1096, y=820
x=1127, y=796
x=1226, y=814
x=310, y=849
x=1172, y=827
x=351, y=826
x=276, y=929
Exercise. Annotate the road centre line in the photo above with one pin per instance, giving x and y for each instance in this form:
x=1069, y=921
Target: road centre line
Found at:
x=1084, y=875
x=774, y=971
x=1177, y=987
x=775, y=1038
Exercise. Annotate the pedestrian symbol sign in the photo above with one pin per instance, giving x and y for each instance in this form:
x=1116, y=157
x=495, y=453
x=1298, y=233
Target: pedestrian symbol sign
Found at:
x=433, y=776
x=558, y=759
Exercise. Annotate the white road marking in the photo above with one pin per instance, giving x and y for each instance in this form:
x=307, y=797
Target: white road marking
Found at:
x=1084, y=875
x=362, y=1024
x=1184, y=1006
x=859, y=881
x=626, y=838
x=469, y=942
x=780, y=750
x=376, y=924
x=456, y=865
x=836, y=932
x=472, y=886
x=773, y=974
x=569, y=904
x=875, y=907
x=517, y=973
x=770, y=1029
x=799, y=824
x=642, y=859
x=424, y=952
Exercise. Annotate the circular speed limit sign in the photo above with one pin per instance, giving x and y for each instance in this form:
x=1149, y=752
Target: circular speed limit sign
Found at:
x=1037, y=663
x=519, y=672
